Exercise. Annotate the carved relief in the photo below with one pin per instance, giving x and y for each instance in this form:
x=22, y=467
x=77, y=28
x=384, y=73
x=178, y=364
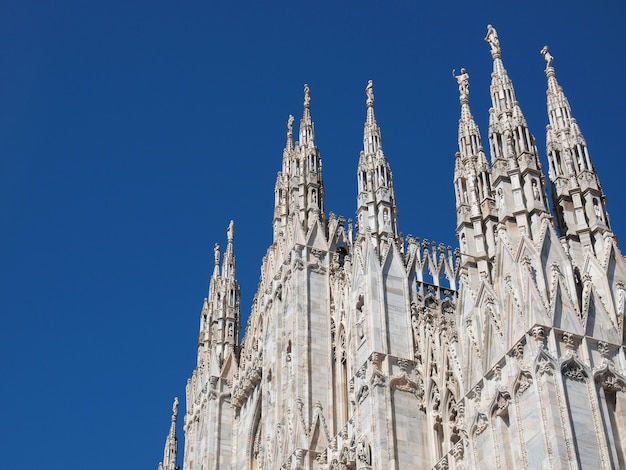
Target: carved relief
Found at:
x=500, y=403
x=574, y=371
x=544, y=366
x=364, y=451
x=480, y=423
x=609, y=380
x=524, y=381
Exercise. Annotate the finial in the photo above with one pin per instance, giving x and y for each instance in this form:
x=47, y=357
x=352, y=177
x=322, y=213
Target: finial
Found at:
x=463, y=81
x=216, y=253
x=290, y=125
x=369, y=90
x=546, y=55
x=307, y=96
x=494, y=42
x=290, y=133
x=230, y=233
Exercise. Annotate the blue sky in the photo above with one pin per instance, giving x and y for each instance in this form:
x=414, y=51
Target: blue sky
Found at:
x=132, y=132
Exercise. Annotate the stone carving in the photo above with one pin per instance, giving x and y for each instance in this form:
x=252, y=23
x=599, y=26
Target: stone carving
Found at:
x=536, y=193
x=570, y=343
x=603, y=348
x=524, y=381
x=480, y=423
x=544, y=366
x=538, y=334
x=574, y=371
x=546, y=55
x=501, y=403
x=609, y=381
x=363, y=451
x=307, y=96
x=458, y=451
x=494, y=42
x=463, y=81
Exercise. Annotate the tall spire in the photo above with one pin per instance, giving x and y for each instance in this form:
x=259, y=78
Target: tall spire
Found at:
x=470, y=142
x=228, y=267
x=170, y=454
x=299, y=189
x=371, y=136
x=518, y=179
x=281, y=189
x=219, y=322
x=307, y=131
x=376, y=201
x=580, y=203
x=289, y=145
x=472, y=180
x=216, y=256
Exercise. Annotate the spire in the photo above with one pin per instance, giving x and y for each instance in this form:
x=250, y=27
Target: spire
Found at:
x=307, y=132
x=376, y=204
x=494, y=42
x=372, y=140
x=580, y=203
x=219, y=322
x=299, y=189
x=170, y=454
x=518, y=180
x=470, y=142
x=216, y=255
x=289, y=145
x=472, y=168
x=502, y=92
x=472, y=180
x=228, y=267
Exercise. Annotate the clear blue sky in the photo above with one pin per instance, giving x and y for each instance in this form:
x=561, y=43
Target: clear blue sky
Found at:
x=132, y=132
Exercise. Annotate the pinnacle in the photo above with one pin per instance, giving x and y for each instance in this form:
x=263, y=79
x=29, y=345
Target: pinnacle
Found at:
x=289, y=145
x=307, y=104
x=369, y=90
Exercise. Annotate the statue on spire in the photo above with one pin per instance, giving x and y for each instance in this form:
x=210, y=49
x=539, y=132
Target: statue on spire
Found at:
x=230, y=233
x=216, y=253
x=290, y=125
x=463, y=81
x=546, y=55
x=494, y=42
x=369, y=90
x=307, y=96
x=290, y=132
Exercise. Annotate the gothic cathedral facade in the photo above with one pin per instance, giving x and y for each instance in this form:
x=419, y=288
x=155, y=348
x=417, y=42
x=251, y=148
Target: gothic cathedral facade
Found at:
x=367, y=350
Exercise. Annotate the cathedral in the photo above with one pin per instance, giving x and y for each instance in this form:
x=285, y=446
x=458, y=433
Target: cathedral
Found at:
x=365, y=349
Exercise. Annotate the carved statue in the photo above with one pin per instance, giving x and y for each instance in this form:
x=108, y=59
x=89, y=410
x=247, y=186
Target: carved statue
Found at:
x=369, y=90
x=546, y=55
x=307, y=96
x=364, y=452
x=536, y=194
x=231, y=231
x=290, y=125
x=596, y=209
x=463, y=81
x=216, y=254
x=492, y=39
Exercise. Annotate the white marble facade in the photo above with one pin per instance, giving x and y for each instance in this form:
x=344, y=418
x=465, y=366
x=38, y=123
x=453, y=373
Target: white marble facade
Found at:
x=365, y=350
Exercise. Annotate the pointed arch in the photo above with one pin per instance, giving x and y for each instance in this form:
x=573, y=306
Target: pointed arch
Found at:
x=255, y=437
x=611, y=390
